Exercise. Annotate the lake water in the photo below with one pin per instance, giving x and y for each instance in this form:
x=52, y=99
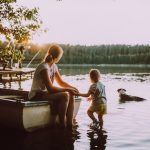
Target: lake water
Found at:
x=126, y=125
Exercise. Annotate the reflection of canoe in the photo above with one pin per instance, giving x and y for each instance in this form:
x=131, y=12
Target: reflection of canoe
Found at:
x=17, y=112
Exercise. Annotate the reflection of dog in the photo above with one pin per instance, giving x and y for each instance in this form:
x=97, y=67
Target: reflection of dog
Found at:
x=125, y=97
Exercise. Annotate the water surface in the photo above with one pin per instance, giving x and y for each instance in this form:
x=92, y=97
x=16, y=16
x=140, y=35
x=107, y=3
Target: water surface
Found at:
x=126, y=125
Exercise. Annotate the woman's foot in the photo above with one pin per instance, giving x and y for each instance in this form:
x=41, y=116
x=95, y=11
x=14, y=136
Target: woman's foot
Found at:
x=72, y=126
x=61, y=126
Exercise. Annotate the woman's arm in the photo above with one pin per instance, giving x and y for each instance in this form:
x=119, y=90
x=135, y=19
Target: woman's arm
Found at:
x=50, y=87
x=61, y=82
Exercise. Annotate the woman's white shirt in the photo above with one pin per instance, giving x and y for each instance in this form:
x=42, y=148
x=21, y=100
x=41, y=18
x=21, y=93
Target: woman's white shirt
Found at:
x=38, y=84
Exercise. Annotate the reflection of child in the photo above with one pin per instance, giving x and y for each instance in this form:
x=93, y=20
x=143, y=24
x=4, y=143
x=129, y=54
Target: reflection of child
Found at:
x=97, y=96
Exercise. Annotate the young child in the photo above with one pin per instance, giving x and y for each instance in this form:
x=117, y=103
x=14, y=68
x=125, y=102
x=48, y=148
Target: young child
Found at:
x=96, y=94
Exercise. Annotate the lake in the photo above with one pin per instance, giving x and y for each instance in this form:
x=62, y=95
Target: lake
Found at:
x=126, y=125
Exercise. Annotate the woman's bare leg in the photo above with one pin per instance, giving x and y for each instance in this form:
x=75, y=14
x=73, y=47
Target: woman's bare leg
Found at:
x=70, y=110
x=62, y=109
x=61, y=99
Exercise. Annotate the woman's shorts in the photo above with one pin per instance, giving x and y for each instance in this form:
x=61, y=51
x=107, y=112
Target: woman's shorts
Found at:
x=38, y=96
x=99, y=108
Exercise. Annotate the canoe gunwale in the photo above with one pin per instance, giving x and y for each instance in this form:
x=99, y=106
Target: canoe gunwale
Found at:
x=27, y=103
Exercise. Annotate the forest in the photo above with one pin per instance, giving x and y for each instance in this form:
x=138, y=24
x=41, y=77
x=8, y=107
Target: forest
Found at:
x=95, y=54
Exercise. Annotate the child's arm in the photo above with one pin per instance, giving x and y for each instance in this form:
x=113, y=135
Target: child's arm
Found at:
x=84, y=94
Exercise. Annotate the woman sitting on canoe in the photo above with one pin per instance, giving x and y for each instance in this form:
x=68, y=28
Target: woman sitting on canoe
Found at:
x=60, y=98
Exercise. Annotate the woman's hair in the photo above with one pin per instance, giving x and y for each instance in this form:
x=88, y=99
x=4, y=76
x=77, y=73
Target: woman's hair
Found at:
x=48, y=58
x=94, y=75
x=54, y=51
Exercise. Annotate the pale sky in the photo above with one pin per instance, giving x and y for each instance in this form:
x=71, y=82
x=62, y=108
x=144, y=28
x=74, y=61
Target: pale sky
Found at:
x=91, y=22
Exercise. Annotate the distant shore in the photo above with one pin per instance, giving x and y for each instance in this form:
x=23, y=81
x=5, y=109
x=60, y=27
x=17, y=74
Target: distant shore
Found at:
x=105, y=65
x=96, y=65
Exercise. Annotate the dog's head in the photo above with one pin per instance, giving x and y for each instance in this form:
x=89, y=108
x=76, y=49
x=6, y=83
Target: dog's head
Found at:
x=121, y=91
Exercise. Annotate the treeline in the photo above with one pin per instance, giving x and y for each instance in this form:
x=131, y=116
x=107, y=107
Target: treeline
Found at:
x=99, y=54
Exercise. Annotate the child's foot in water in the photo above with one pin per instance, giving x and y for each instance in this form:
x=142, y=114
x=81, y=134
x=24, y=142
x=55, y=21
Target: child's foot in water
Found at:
x=94, y=124
x=100, y=124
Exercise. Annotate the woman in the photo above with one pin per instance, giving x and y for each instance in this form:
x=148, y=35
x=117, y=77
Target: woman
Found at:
x=60, y=98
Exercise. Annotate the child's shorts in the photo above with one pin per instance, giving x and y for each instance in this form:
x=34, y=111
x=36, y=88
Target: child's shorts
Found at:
x=99, y=108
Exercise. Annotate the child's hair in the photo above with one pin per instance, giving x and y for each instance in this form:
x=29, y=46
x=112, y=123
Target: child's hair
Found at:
x=94, y=75
x=54, y=51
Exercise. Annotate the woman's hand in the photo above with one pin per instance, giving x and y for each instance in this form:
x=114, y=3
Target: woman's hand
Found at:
x=73, y=91
x=89, y=98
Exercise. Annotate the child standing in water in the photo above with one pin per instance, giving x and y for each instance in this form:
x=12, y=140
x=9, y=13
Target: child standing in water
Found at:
x=96, y=94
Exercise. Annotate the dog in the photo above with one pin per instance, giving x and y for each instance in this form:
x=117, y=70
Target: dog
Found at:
x=125, y=97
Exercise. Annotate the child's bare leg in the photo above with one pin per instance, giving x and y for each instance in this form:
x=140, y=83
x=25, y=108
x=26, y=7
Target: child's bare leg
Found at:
x=100, y=118
x=91, y=115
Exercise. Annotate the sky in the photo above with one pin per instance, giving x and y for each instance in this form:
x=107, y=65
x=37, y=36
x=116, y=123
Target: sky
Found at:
x=93, y=22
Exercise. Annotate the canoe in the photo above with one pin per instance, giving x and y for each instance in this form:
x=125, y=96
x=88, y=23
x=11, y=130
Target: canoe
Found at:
x=16, y=111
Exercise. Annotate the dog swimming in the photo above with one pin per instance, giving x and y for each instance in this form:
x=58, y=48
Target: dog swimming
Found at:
x=125, y=97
